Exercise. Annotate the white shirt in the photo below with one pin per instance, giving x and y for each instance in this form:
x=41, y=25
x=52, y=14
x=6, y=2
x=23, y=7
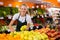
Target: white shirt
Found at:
x=22, y=19
x=50, y=11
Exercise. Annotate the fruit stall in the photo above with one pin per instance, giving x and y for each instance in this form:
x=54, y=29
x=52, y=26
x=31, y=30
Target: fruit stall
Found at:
x=45, y=20
x=31, y=35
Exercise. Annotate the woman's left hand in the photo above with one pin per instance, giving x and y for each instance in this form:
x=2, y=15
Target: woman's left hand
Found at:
x=27, y=28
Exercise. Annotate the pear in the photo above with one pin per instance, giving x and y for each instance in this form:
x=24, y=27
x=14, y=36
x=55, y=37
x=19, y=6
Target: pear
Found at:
x=23, y=28
x=45, y=36
x=42, y=37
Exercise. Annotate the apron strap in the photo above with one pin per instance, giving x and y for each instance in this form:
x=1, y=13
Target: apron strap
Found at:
x=19, y=17
x=25, y=18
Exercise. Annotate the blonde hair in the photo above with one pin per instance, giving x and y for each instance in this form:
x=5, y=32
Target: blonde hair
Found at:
x=24, y=5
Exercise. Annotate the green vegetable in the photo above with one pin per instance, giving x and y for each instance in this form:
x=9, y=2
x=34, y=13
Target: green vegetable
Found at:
x=40, y=11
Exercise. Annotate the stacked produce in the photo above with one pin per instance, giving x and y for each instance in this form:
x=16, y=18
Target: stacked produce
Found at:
x=52, y=34
x=8, y=37
x=24, y=35
x=43, y=30
x=37, y=34
x=23, y=28
x=3, y=28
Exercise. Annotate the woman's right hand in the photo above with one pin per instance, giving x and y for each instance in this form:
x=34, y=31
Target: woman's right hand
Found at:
x=10, y=26
x=11, y=29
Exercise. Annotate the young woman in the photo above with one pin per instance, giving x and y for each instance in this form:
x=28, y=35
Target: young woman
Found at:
x=22, y=18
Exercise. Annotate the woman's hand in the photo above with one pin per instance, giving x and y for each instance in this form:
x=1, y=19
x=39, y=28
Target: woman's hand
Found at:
x=12, y=30
x=27, y=28
x=10, y=26
x=28, y=25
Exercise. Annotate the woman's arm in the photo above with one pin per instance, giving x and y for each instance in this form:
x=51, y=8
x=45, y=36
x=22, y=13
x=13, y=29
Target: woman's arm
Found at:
x=29, y=21
x=12, y=21
x=10, y=26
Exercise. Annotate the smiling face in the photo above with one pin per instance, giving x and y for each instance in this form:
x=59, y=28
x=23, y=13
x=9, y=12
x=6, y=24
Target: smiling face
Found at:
x=23, y=10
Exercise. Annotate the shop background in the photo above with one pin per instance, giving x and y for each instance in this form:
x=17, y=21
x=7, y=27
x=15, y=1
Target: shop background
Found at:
x=14, y=3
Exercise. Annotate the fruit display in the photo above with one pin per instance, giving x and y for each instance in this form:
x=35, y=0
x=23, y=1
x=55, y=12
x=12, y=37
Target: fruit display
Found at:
x=52, y=34
x=9, y=37
x=5, y=29
x=57, y=37
x=43, y=30
x=24, y=35
x=38, y=34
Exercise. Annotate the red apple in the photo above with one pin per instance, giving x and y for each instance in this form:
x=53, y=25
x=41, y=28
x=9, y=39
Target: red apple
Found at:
x=52, y=31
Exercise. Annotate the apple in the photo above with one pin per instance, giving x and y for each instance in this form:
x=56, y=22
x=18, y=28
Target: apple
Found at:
x=52, y=31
